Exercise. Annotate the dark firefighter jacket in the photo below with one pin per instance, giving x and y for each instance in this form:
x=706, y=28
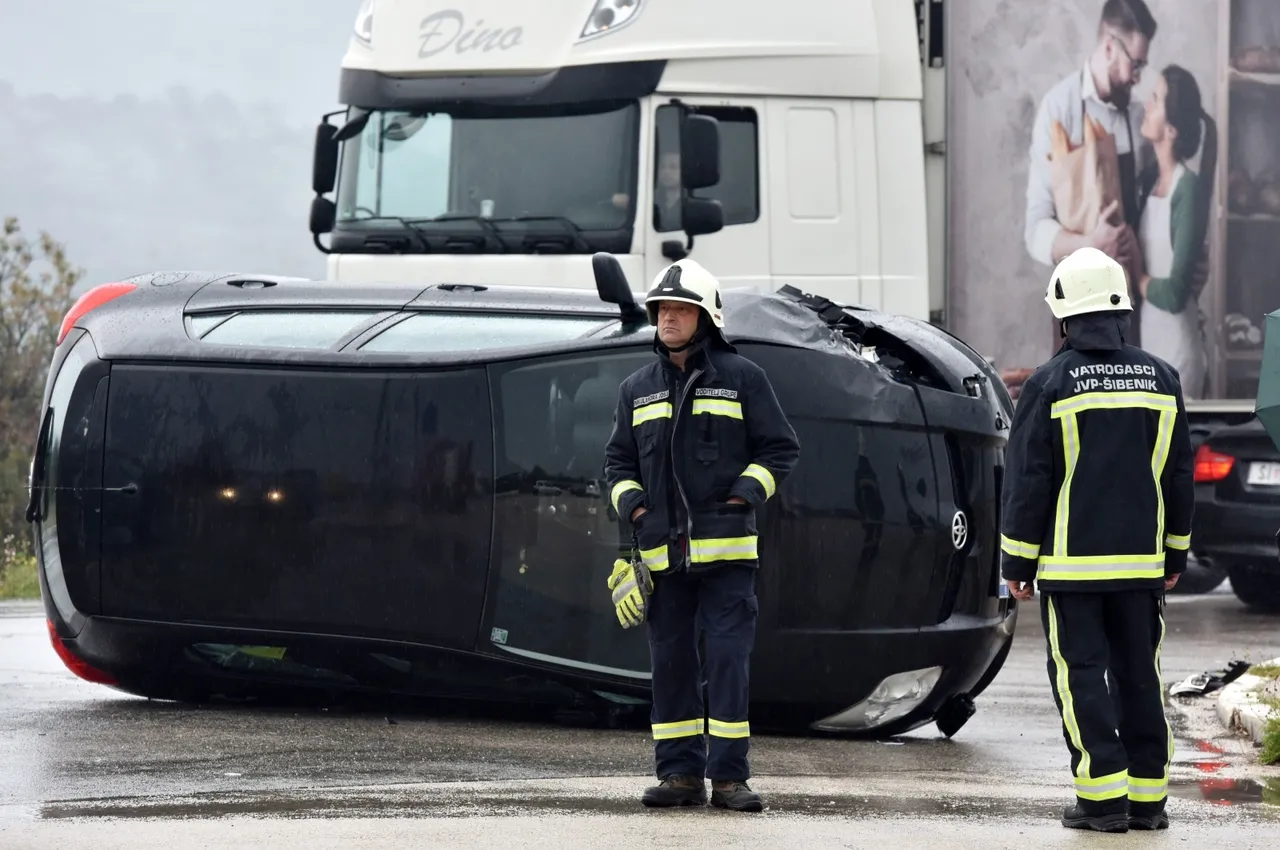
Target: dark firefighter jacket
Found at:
x=683, y=443
x=1098, y=485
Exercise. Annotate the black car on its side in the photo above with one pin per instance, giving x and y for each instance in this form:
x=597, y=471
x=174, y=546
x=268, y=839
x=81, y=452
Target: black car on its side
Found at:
x=1237, y=512
x=243, y=482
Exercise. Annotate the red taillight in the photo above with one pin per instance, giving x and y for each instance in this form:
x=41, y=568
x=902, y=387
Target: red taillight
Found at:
x=1211, y=465
x=92, y=300
x=76, y=665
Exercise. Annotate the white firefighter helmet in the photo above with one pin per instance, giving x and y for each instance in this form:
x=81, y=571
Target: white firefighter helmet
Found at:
x=1087, y=281
x=687, y=281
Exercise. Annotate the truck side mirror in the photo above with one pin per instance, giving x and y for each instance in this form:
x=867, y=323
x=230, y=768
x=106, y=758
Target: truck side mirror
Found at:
x=699, y=151
x=324, y=213
x=701, y=216
x=324, y=165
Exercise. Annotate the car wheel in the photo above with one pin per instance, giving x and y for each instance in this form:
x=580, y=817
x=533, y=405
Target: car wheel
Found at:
x=1200, y=577
x=1256, y=588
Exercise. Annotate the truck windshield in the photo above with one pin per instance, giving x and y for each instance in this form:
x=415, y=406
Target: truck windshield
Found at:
x=515, y=180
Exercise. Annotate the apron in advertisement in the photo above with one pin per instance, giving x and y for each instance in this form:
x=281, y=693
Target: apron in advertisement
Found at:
x=1129, y=201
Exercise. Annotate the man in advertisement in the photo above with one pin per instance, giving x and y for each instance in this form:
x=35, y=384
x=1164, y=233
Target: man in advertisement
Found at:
x=1101, y=91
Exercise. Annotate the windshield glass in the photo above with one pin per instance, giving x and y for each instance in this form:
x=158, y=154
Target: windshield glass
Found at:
x=529, y=174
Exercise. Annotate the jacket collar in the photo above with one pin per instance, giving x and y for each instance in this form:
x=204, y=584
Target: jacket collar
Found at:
x=700, y=357
x=1096, y=331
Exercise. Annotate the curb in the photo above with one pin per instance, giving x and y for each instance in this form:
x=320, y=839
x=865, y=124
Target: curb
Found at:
x=1239, y=708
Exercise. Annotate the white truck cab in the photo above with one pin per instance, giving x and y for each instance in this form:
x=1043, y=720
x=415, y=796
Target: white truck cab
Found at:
x=503, y=142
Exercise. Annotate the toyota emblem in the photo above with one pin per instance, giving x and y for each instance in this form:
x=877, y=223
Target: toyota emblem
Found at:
x=959, y=530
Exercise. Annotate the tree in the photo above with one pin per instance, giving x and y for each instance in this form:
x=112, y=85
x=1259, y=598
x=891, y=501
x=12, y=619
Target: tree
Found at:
x=35, y=293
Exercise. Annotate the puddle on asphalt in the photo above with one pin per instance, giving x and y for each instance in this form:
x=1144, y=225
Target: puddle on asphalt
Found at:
x=1221, y=791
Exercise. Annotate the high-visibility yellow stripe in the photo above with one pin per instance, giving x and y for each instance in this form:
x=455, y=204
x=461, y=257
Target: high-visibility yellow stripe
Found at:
x=1071, y=453
x=1101, y=567
x=1112, y=401
x=1063, y=686
x=1110, y=787
x=764, y=476
x=1018, y=549
x=620, y=488
x=729, y=729
x=1168, y=729
x=710, y=549
x=1159, y=455
x=649, y=412
x=655, y=559
x=717, y=407
x=1148, y=790
x=678, y=729
x=1177, y=541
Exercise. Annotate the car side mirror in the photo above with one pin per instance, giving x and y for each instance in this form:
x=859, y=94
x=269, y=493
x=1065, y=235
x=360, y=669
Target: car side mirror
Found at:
x=699, y=151
x=612, y=287
x=324, y=163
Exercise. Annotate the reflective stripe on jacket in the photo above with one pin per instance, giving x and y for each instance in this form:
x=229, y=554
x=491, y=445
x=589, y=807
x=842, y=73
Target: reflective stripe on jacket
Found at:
x=1098, y=486
x=683, y=443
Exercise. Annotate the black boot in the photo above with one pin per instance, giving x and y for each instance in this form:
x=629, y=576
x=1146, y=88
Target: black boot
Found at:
x=1148, y=820
x=677, y=790
x=735, y=795
x=1074, y=817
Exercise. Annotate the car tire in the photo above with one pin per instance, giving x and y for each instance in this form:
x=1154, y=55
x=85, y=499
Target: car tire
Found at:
x=1256, y=588
x=1199, y=577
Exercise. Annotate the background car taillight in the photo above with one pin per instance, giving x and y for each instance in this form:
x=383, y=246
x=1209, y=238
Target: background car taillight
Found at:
x=1211, y=465
x=92, y=300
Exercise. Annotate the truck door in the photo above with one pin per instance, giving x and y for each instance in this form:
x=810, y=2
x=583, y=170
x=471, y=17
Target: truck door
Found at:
x=738, y=254
x=822, y=197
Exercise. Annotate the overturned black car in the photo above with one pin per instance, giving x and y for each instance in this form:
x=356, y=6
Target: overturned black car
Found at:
x=245, y=482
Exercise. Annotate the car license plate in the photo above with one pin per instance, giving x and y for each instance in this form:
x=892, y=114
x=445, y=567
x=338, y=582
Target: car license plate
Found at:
x=1264, y=473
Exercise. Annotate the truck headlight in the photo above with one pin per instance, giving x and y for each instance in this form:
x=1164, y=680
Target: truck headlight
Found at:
x=896, y=696
x=610, y=15
x=364, y=22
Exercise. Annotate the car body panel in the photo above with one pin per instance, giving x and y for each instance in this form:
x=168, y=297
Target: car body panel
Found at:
x=434, y=521
x=1235, y=521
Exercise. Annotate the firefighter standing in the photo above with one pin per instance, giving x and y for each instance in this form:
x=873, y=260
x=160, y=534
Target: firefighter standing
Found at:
x=1097, y=507
x=699, y=442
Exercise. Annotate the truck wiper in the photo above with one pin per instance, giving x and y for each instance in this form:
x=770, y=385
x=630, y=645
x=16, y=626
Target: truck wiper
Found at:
x=575, y=232
x=485, y=224
x=422, y=239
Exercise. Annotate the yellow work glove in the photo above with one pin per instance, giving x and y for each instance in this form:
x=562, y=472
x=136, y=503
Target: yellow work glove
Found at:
x=631, y=585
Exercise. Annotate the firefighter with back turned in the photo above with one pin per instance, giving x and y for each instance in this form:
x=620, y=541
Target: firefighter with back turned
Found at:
x=1097, y=508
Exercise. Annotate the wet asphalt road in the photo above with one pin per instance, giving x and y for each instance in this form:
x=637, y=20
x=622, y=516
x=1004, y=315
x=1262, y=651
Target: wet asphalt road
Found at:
x=84, y=765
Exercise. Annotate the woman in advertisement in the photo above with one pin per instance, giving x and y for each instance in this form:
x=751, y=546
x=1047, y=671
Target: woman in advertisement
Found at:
x=1174, y=220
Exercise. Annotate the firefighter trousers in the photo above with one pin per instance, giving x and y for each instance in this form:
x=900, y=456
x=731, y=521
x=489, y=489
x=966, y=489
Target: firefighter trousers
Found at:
x=721, y=603
x=1120, y=759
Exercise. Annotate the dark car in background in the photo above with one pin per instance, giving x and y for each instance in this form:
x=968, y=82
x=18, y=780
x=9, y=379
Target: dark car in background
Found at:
x=1237, y=512
x=244, y=482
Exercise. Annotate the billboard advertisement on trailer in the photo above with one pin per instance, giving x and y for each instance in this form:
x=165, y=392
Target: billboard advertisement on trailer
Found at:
x=1147, y=129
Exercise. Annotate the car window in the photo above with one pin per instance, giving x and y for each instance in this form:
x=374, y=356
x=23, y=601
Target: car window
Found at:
x=433, y=332
x=288, y=329
x=200, y=324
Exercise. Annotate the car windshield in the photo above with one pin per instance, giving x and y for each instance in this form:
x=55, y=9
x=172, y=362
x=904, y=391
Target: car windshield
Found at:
x=511, y=179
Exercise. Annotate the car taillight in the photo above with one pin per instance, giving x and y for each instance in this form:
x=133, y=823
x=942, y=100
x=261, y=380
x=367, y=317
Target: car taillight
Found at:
x=1211, y=465
x=77, y=665
x=92, y=300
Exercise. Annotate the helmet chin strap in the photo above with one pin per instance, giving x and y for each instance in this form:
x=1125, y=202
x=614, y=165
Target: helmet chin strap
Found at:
x=695, y=340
